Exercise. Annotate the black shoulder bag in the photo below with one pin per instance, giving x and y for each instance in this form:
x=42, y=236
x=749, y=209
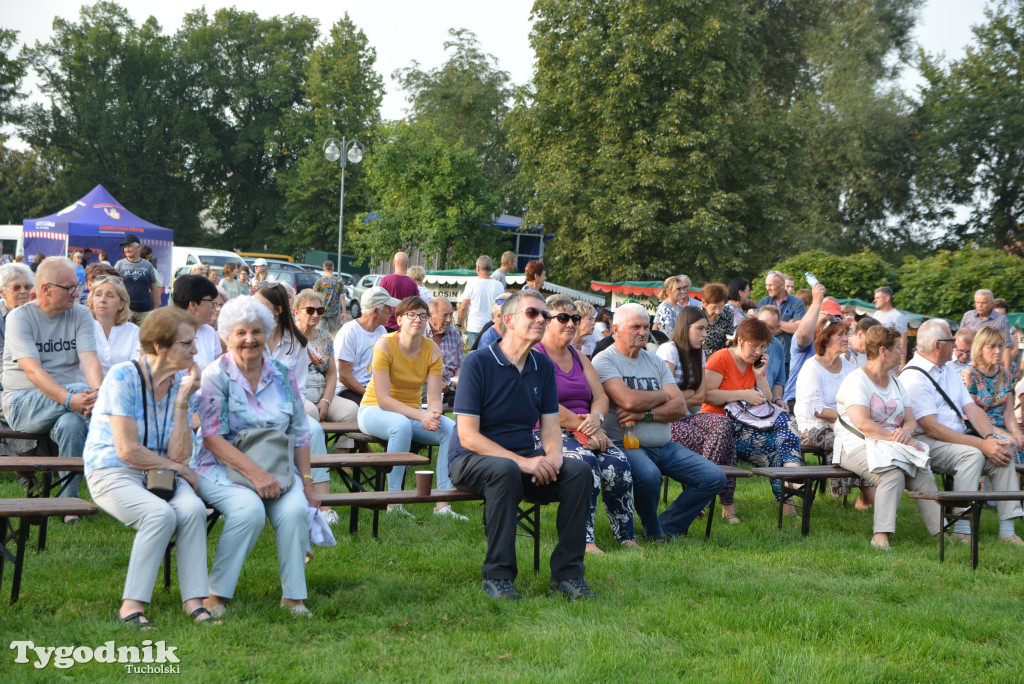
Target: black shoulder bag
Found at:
x=970, y=428
x=158, y=482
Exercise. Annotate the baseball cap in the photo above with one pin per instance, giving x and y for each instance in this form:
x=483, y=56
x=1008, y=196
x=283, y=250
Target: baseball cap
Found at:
x=259, y=262
x=377, y=296
x=130, y=240
x=831, y=307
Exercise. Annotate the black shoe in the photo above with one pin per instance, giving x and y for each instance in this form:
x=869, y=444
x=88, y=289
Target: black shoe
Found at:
x=501, y=589
x=575, y=588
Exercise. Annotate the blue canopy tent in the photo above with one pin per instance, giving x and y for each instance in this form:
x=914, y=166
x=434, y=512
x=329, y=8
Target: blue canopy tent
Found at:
x=99, y=222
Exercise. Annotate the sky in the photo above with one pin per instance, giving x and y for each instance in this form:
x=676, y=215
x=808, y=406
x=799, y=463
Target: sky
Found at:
x=407, y=30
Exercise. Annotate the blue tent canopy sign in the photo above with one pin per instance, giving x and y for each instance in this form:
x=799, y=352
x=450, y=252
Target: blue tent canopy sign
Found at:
x=99, y=222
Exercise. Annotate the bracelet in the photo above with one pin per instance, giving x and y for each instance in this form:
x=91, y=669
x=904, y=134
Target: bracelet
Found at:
x=324, y=401
x=67, y=402
x=307, y=477
x=991, y=434
x=181, y=406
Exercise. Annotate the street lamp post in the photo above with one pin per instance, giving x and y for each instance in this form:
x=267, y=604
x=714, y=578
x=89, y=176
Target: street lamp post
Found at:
x=352, y=151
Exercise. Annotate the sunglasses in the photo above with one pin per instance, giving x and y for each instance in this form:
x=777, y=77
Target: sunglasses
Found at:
x=833, y=319
x=564, y=318
x=532, y=313
x=318, y=310
x=108, y=279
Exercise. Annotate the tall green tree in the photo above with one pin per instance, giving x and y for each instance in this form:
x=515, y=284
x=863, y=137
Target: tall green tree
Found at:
x=971, y=135
x=429, y=193
x=12, y=71
x=646, y=142
x=114, y=116
x=467, y=99
x=26, y=185
x=342, y=97
x=243, y=75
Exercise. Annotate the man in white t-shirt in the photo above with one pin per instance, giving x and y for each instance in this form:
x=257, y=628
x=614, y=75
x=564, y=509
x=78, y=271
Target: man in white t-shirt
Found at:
x=353, y=345
x=890, y=317
x=478, y=297
x=197, y=295
x=953, y=451
x=50, y=343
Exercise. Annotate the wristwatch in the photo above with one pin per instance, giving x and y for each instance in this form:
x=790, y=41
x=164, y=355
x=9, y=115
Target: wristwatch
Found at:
x=649, y=417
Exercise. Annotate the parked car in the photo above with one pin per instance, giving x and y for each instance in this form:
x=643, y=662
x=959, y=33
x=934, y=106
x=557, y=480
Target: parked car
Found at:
x=183, y=258
x=300, y=280
x=351, y=301
x=277, y=265
x=365, y=283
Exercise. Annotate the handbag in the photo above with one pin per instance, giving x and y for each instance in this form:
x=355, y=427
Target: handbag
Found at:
x=761, y=417
x=271, y=450
x=160, y=482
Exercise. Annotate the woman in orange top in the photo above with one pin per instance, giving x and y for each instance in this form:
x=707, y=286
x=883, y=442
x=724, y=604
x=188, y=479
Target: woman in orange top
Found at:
x=737, y=374
x=391, y=408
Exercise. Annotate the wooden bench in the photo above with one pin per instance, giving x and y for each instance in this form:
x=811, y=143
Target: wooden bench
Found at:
x=334, y=431
x=28, y=512
x=368, y=471
x=974, y=502
x=527, y=517
x=29, y=466
x=811, y=478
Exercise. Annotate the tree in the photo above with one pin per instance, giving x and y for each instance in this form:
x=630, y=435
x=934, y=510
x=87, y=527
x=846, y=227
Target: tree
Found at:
x=857, y=275
x=26, y=185
x=342, y=97
x=114, y=116
x=430, y=194
x=12, y=71
x=944, y=284
x=467, y=99
x=971, y=134
x=243, y=75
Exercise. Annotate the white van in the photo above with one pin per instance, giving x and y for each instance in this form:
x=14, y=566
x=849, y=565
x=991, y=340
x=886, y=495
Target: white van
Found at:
x=13, y=234
x=189, y=256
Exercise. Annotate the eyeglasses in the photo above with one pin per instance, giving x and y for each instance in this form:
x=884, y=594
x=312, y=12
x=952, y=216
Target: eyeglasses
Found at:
x=564, y=318
x=108, y=279
x=962, y=352
x=949, y=339
x=833, y=319
x=761, y=349
x=532, y=313
x=216, y=304
x=413, y=316
x=319, y=311
x=70, y=289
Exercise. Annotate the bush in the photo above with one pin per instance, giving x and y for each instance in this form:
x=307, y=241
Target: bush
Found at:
x=944, y=284
x=845, y=277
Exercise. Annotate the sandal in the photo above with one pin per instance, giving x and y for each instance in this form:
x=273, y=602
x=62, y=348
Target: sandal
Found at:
x=199, y=613
x=138, y=621
x=72, y=520
x=732, y=519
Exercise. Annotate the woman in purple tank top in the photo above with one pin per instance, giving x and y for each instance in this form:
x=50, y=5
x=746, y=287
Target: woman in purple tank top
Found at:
x=582, y=404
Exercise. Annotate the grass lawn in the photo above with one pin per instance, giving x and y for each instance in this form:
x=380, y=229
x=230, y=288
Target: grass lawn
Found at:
x=752, y=604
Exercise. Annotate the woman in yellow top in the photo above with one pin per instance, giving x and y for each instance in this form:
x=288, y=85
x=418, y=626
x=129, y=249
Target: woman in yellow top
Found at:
x=391, y=408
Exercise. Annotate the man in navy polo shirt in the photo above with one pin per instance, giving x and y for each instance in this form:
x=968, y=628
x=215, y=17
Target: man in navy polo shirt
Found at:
x=504, y=389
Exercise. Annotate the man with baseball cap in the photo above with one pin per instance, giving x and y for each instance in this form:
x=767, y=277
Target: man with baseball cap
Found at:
x=140, y=279
x=353, y=346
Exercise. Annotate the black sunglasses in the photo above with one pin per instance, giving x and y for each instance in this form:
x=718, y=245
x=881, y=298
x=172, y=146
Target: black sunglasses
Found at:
x=319, y=311
x=564, y=318
x=532, y=312
x=831, y=320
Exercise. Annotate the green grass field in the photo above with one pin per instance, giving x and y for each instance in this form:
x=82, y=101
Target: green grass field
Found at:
x=752, y=604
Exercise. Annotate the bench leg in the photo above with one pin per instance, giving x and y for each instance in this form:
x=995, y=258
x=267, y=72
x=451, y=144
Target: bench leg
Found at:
x=805, y=521
x=975, y=529
x=167, y=565
x=19, y=559
x=528, y=520
x=664, y=495
x=711, y=517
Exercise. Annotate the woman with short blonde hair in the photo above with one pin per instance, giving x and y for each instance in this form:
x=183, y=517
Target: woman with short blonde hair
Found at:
x=117, y=338
x=991, y=386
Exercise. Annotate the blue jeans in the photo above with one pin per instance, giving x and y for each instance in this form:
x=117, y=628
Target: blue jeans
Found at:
x=703, y=480
x=400, y=433
x=33, y=411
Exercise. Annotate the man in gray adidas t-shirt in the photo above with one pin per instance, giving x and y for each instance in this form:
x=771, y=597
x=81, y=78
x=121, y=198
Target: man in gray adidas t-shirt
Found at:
x=49, y=345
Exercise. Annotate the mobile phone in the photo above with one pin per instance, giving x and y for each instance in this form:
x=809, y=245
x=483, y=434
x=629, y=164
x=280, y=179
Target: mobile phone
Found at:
x=759, y=362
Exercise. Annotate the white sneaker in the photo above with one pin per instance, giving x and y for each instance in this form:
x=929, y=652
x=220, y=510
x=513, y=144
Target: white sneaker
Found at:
x=400, y=509
x=450, y=512
x=330, y=516
x=298, y=610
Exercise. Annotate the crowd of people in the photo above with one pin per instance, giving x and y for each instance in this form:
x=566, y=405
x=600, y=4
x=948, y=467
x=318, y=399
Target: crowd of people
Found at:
x=226, y=388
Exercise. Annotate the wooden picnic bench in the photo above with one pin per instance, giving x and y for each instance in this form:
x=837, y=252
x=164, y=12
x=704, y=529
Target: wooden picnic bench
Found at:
x=527, y=517
x=973, y=503
x=368, y=471
x=811, y=479
x=28, y=512
x=29, y=467
x=730, y=472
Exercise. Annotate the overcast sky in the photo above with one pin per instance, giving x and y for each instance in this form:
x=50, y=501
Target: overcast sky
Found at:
x=407, y=30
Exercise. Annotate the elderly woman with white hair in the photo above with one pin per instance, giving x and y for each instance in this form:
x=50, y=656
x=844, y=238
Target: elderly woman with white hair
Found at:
x=117, y=338
x=16, y=282
x=245, y=390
